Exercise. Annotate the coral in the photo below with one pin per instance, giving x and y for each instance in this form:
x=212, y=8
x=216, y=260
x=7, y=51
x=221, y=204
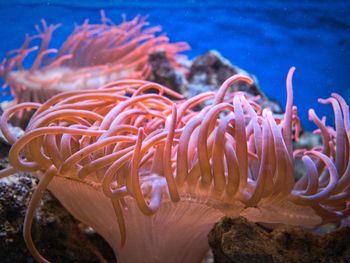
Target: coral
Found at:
x=149, y=172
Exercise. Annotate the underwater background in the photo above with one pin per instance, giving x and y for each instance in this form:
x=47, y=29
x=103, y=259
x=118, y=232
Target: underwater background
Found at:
x=265, y=38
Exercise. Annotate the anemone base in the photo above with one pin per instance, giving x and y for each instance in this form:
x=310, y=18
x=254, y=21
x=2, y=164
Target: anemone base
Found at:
x=176, y=233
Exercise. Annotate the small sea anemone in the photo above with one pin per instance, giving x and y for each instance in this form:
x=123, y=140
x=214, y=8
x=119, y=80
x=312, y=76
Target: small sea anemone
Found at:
x=152, y=175
x=93, y=55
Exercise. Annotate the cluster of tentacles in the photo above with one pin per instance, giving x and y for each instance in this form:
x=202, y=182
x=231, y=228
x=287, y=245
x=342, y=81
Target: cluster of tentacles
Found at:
x=93, y=55
x=129, y=142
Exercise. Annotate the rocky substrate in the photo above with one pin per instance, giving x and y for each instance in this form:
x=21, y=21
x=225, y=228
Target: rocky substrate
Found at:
x=205, y=73
x=57, y=235
x=235, y=240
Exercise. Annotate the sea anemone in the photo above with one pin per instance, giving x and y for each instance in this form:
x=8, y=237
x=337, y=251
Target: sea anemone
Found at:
x=152, y=175
x=93, y=55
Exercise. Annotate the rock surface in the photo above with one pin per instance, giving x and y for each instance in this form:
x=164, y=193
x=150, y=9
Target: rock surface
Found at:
x=57, y=235
x=237, y=240
x=210, y=70
x=308, y=141
x=205, y=73
x=165, y=72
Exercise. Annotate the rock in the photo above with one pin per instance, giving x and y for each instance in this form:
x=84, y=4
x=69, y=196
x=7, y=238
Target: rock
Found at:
x=237, y=240
x=205, y=73
x=211, y=69
x=307, y=140
x=4, y=147
x=166, y=73
x=208, y=71
x=56, y=233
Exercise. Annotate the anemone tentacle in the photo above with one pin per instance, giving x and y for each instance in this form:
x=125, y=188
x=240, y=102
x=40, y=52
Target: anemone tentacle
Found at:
x=139, y=154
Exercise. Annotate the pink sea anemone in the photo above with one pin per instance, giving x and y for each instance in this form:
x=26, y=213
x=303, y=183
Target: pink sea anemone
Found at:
x=152, y=175
x=93, y=55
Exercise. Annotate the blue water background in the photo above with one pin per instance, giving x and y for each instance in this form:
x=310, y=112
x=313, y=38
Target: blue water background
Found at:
x=264, y=37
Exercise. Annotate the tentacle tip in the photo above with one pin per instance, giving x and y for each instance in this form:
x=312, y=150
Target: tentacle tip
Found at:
x=334, y=94
x=323, y=101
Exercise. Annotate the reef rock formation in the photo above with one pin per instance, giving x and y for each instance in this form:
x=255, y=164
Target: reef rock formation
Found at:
x=54, y=229
x=164, y=72
x=237, y=240
x=208, y=71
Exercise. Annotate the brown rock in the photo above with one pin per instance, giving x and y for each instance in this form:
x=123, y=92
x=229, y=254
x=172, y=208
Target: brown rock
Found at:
x=211, y=70
x=56, y=233
x=214, y=68
x=164, y=72
x=237, y=240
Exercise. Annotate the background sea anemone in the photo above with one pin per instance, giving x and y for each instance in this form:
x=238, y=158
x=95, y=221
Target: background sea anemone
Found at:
x=93, y=55
x=151, y=175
